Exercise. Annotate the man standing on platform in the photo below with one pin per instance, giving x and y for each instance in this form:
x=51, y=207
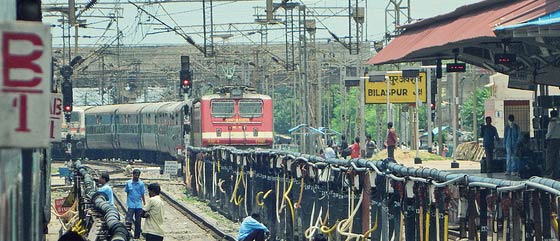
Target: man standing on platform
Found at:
x=511, y=138
x=489, y=133
x=552, y=146
x=391, y=141
x=371, y=147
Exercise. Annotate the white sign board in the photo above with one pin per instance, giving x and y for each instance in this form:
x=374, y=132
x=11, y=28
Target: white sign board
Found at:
x=171, y=168
x=25, y=77
x=56, y=116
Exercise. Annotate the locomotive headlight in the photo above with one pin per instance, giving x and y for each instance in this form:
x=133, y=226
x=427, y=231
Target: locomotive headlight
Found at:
x=218, y=132
x=255, y=132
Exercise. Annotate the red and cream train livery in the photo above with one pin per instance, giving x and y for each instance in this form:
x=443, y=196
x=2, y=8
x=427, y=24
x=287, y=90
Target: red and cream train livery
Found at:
x=233, y=117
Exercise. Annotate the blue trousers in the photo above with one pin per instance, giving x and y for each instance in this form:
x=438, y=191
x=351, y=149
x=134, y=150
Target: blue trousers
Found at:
x=134, y=215
x=512, y=163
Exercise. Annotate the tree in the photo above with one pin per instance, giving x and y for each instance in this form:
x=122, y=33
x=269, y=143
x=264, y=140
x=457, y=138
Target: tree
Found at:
x=467, y=109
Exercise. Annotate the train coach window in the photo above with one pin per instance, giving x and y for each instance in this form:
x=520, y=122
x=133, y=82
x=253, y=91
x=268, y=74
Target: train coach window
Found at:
x=250, y=109
x=222, y=109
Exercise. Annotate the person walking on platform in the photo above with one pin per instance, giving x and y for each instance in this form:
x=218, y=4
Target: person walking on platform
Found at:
x=135, y=191
x=153, y=212
x=552, y=146
x=252, y=229
x=355, y=148
x=329, y=151
x=371, y=147
x=391, y=141
x=105, y=188
x=512, y=134
x=489, y=134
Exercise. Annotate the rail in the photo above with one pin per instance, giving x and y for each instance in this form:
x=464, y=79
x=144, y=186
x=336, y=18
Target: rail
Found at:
x=201, y=221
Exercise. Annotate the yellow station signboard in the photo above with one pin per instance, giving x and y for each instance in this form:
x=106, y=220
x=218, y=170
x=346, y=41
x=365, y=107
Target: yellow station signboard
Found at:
x=401, y=90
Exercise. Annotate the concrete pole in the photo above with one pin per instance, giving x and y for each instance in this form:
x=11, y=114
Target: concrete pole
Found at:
x=428, y=104
x=362, y=128
x=439, y=115
x=388, y=93
x=454, y=164
x=475, y=88
x=416, y=127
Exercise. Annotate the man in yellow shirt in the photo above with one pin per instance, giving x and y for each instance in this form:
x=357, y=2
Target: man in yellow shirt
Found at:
x=153, y=212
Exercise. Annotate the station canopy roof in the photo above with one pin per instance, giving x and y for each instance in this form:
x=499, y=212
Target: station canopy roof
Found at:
x=528, y=28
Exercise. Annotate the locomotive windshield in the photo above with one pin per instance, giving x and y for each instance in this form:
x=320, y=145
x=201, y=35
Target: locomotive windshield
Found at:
x=222, y=109
x=250, y=109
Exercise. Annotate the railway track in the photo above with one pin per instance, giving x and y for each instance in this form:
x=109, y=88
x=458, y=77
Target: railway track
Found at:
x=198, y=219
x=181, y=222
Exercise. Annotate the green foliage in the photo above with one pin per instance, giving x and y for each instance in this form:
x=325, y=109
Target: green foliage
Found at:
x=283, y=101
x=467, y=109
x=334, y=96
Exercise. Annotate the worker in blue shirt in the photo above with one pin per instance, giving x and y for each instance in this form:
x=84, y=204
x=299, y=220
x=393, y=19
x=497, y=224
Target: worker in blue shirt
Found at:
x=134, y=200
x=105, y=188
x=252, y=229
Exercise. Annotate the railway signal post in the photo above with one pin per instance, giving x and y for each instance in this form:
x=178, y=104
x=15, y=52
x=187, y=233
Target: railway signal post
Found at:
x=185, y=76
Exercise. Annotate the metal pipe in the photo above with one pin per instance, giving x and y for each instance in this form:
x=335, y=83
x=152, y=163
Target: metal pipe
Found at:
x=439, y=178
x=117, y=230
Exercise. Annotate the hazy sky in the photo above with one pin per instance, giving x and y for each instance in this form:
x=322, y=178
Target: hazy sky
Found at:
x=189, y=14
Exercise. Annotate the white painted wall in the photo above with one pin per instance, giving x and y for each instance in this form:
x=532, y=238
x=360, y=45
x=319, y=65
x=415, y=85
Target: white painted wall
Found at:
x=7, y=10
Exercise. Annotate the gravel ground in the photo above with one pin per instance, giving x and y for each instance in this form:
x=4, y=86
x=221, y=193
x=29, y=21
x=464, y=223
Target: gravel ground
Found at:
x=179, y=228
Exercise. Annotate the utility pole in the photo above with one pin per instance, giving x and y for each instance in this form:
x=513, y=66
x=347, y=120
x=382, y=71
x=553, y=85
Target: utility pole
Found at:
x=475, y=100
x=429, y=102
x=72, y=23
x=439, y=114
x=454, y=164
x=208, y=17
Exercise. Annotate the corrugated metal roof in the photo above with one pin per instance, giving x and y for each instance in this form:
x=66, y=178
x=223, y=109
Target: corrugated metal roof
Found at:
x=468, y=24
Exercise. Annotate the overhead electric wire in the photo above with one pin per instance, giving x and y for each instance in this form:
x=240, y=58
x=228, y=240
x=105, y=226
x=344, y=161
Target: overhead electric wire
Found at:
x=186, y=37
x=194, y=10
x=266, y=50
x=173, y=20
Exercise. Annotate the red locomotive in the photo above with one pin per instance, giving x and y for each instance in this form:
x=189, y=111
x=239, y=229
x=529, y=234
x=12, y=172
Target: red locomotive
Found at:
x=233, y=116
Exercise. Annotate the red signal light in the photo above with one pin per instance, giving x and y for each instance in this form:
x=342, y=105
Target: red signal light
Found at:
x=67, y=108
x=432, y=106
x=186, y=82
